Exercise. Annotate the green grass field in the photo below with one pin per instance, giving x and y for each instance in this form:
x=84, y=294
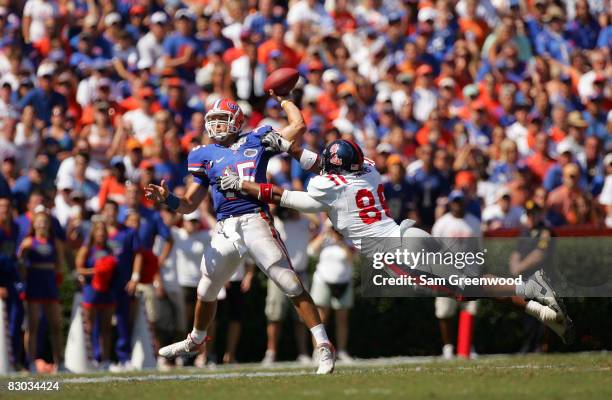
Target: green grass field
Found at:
x=569, y=376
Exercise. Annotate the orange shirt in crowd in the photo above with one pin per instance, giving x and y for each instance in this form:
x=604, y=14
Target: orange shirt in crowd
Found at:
x=290, y=57
x=556, y=134
x=232, y=54
x=111, y=189
x=328, y=106
x=539, y=165
x=422, y=137
x=477, y=26
x=560, y=200
x=87, y=116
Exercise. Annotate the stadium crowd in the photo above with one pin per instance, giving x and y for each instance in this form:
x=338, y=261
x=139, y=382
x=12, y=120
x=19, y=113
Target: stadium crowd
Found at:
x=508, y=101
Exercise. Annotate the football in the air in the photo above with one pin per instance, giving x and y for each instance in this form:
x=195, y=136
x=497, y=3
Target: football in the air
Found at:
x=281, y=81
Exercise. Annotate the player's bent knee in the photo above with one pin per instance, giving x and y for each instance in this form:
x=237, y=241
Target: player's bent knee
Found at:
x=207, y=290
x=287, y=280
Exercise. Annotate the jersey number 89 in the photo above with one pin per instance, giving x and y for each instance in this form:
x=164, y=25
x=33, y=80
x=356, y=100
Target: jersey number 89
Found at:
x=368, y=212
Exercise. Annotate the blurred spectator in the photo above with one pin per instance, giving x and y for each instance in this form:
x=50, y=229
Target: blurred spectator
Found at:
x=42, y=257
x=44, y=97
x=605, y=198
x=96, y=266
x=332, y=283
x=398, y=191
x=113, y=186
x=428, y=186
x=562, y=200
x=550, y=42
x=501, y=214
x=126, y=249
x=190, y=241
x=11, y=286
x=232, y=304
x=457, y=223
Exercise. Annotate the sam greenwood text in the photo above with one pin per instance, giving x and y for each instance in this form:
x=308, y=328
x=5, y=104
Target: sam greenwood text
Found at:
x=454, y=280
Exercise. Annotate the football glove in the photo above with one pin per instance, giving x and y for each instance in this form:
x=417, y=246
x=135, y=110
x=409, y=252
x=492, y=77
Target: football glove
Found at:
x=230, y=183
x=274, y=142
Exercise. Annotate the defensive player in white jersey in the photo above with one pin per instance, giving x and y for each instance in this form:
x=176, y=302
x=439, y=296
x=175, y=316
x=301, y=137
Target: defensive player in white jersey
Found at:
x=349, y=190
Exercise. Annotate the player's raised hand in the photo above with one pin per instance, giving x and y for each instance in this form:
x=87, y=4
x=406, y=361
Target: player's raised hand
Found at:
x=229, y=183
x=274, y=142
x=278, y=97
x=156, y=193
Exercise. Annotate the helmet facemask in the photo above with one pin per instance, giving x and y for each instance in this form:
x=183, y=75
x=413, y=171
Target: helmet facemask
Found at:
x=216, y=120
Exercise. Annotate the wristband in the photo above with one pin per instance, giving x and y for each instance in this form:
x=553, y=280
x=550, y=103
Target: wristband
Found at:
x=308, y=159
x=265, y=192
x=135, y=277
x=172, y=202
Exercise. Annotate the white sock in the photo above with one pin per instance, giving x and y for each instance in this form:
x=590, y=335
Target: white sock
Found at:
x=198, y=336
x=319, y=334
x=520, y=289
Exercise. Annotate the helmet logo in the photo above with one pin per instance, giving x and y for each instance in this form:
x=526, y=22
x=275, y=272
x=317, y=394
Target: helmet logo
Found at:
x=334, y=158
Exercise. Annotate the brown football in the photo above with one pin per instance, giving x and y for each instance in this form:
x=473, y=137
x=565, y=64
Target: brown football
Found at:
x=281, y=81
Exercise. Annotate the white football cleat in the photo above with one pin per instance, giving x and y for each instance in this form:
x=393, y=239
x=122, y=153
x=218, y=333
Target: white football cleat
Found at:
x=326, y=354
x=539, y=289
x=557, y=321
x=187, y=347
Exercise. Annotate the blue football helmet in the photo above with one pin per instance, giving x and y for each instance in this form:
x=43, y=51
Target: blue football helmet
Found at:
x=341, y=157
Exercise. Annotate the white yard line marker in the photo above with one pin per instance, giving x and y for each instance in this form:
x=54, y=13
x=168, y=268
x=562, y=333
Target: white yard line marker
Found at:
x=159, y=377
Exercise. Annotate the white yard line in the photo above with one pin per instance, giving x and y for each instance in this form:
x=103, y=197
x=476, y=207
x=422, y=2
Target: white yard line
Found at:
x=164, y=377
x=288, y=369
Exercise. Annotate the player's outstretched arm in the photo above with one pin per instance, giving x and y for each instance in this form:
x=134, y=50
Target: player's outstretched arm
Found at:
x=297, y=126
x=269, y=193
x=185, y=204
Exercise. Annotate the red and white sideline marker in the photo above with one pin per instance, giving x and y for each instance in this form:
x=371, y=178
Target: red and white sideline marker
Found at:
x=464, y=336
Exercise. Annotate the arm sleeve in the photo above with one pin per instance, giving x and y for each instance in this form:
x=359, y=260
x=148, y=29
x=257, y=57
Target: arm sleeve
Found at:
x=135, y=241
x=162, y=229
x=325, y=189
x=25, y=100
x=196, y=164
x=302, y=201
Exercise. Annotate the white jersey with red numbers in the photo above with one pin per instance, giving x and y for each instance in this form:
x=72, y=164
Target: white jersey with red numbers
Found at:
x=357, y=205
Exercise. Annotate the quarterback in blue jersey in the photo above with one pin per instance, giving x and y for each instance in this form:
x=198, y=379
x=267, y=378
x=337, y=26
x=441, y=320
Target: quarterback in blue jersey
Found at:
x=243, y=225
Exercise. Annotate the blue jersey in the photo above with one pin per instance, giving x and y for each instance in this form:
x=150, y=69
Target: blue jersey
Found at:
x=151, y=225
x=40, y=280
x=124, y=244
x=247, y=157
